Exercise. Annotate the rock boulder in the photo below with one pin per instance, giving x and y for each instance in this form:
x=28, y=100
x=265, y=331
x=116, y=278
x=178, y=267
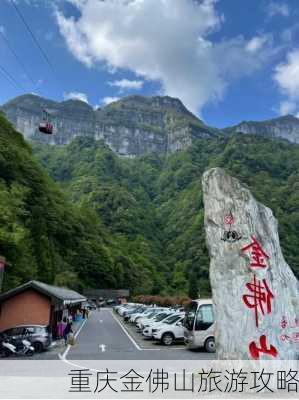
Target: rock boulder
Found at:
x=255, y=292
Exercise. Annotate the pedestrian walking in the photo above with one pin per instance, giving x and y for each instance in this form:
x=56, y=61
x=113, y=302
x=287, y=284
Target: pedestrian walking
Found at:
x=68, y=329
x=60, y=328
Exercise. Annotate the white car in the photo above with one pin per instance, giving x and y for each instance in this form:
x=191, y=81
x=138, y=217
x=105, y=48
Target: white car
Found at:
x=147, y=330
x=145, y=322
x=170, y=331
x=125, y=307
x=150, y=311
x=133, y=317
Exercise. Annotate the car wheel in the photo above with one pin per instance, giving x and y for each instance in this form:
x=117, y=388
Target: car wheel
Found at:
x=38, y=347
x=210, y=345
x=167, y=339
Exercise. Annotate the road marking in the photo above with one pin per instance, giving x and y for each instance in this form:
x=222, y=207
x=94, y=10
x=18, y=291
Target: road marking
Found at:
x=102, y=347
x=126, y=332
x=63, y=355
x=131, y=338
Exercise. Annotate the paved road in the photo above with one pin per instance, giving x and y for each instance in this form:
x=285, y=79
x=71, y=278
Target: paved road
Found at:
x=102, y=337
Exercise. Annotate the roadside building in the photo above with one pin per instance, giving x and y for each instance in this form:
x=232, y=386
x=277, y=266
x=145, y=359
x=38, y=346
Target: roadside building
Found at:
x=117, y=295
x=37, y=303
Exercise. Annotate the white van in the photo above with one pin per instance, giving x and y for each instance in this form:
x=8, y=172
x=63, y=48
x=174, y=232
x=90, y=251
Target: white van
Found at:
x=199, y=327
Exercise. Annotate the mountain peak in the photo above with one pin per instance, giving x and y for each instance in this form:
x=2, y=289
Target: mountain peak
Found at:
x=161, y=102
x=285, y=127
x=288, y=117
x=76, y=103
x=131, y=126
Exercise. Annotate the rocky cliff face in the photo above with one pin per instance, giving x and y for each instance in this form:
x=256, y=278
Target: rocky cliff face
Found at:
x=255, y=293
x=132, y=126
x=286, y=127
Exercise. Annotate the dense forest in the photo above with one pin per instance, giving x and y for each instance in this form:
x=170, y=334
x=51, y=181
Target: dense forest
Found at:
x=79, y=215
x=45, y=236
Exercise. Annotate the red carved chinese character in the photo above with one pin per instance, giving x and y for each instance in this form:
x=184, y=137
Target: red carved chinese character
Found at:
x=257, y=254
x=283, y=323
x=284, y=338
x=261, y=295
x=255, y=351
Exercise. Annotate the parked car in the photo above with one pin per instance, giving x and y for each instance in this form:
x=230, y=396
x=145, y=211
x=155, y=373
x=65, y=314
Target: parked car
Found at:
x=127, y=314
x=125, y=307
x=170, y=331
x=147, y=331
x=149, y=312
x=90, y=305
x=38, y=335
x=153, y=317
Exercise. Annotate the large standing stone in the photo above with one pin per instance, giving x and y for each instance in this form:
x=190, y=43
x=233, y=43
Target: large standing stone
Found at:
x=233, y=218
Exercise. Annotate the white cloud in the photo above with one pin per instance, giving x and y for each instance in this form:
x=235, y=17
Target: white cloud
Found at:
x=286, y=76
x=287, y=107
x=256, y=43
x=126, y=84
x=162, y=40
x=107, y=100
x=2, y=29
x=278, y=8
x=76, y=96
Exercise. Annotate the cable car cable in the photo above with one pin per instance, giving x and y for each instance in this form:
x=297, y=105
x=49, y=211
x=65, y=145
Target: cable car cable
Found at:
x=17, y=57
x=10, y=78
x=46, y=58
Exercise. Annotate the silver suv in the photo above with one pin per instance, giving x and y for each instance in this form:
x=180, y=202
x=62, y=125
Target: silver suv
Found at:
x=39, y=335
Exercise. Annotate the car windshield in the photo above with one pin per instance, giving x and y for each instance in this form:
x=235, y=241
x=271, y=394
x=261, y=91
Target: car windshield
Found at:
x=190, y=315
x=160, y=317
x=173, y=319
x=151, y=315
x=135, y=310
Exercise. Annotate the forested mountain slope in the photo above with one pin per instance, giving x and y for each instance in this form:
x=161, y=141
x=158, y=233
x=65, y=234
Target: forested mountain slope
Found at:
x=110, y=221
x=154, y=203
x=45, y=236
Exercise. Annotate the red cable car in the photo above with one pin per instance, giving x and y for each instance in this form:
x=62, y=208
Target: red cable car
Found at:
x=45, y=126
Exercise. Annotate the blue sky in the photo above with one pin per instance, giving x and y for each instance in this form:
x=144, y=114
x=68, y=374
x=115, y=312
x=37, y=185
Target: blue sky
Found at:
x=227, y=60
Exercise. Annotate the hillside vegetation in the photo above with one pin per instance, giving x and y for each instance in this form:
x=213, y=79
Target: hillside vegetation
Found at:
x=81, y=216
x=154, y=203
x=45, y=236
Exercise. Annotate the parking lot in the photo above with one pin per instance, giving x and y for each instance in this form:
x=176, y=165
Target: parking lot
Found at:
x=109, y=334
x=105, y=337
x=146, y=343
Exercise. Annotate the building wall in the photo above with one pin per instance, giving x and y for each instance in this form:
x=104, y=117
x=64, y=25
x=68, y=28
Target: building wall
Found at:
x=107, y=293
x=29, y=307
